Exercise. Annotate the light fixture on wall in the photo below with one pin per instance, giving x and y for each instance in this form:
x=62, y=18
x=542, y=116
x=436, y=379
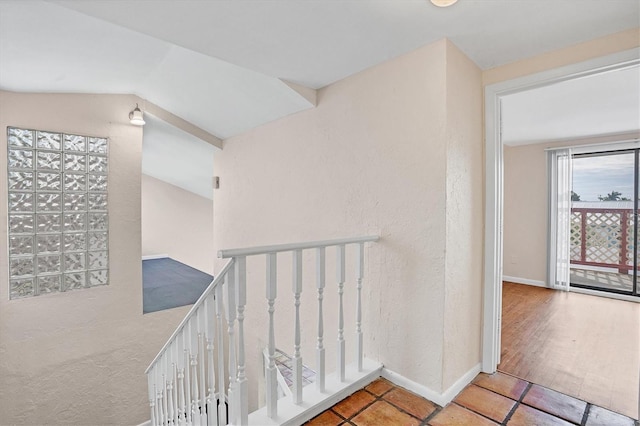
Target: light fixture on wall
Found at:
x=443, y=3
x=136, y=118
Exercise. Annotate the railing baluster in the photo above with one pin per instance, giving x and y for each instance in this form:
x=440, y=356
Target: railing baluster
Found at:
x=229, y=286
x=242, y=388
x=272, y=383
x=159, y=408
x=202, y=364
x=340, y=269
x=187, y=371
x=359, y=276
x=320, y=283
x=297, y=358
x=176, y=387
x=209, y=308
x=193, y=332
x=169, y=394
x=151, y=387
x=222, y=412
x=181, y=348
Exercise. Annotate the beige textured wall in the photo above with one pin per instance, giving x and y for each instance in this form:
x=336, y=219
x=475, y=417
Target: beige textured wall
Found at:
x=625, y=40
x=178, y=223
x=371, y=158
x=78, y=358
x=464, y=217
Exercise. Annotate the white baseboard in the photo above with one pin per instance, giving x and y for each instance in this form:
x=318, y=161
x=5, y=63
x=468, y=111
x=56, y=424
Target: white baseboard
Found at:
x=526, y=281
x=441, y=399
x=155, y=256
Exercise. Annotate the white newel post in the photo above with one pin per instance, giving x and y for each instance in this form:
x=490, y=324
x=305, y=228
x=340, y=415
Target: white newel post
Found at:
x=230, y=285
x=320, y=283
x=297, y=358
x=152, y=396
x=193, y=343
x=359, y=275
x=201, y=356
x=242, y=388
x=187, y=371
x=182, y=405
x=272, y=383
x=340, y=272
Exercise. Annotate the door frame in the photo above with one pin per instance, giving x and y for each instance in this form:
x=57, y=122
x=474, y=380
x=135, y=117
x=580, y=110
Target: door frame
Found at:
x=494, y=165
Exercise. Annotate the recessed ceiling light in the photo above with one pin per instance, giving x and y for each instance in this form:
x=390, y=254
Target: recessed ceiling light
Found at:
x=443, y=3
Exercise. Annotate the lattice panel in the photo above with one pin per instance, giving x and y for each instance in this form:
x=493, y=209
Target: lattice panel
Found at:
x=603, y=237
x=576, y=240
x=58, y=215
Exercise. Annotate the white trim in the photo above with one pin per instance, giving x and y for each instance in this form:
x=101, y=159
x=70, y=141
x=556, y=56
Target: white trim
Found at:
x=315, y=402
x=494, y=183
x=441, y=399
x=147, y=423
x=526, y=281
x=251, y=251
x=155, y=256
x=607, y=294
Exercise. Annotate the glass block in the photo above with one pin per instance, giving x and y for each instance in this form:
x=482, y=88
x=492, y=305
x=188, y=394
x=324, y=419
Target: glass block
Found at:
x=21, y=223
x=74, y=262
x=49, y=243
x=98, y=221
x=98, y=240
x=20, y=266
x=20, y=138
x=21, y=288
x=20, y=244
x=48, y=222
x=98, y=145
x=20, y=159
x=75, y=162
x=75, y=182
x=49, y=202
x=100, y=277
x=20, y=181
x=97, y=164
x=48, y=140
x=49, y=284
x=98, y=183
x=48, y=264
x=74, y=281
x=98, y=259
x=48, y=181
x=75, y=202
x=75, y=222
x=75, y=242
x=20, y=202
x=75, y=143
x=97, y=201
x=48, y=160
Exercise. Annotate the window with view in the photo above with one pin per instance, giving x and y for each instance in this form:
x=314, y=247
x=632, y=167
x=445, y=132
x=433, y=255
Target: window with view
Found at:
x=58, y=218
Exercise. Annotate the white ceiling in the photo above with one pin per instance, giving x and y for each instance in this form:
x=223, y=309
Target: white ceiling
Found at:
x=219, y=64
x=601, y=104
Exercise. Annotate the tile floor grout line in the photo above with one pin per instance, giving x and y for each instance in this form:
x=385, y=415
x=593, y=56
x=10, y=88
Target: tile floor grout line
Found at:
x=473, y=411
x=432, y=415
x=585, y=415
x=517, y=404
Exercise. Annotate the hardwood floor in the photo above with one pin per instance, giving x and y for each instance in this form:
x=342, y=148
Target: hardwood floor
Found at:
x=584, y=346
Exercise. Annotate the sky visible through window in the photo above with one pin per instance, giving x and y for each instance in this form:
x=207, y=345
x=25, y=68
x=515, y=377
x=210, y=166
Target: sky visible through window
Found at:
x=595, y=177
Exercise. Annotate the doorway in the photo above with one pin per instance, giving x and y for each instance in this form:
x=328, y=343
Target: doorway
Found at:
x=604, y=223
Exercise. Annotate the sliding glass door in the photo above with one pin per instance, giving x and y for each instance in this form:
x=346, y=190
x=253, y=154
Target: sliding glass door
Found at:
x=604, y=221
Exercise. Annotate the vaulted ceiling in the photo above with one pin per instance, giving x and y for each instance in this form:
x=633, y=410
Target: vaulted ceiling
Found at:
x=224, y=65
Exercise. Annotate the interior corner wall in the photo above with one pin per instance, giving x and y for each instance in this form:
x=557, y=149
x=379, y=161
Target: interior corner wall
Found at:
x=464, y=217
x=79, y=357
x=178, y=223
x=369, y=159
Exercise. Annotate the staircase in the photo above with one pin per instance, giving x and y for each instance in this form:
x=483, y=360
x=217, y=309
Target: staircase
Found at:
x=199, y=376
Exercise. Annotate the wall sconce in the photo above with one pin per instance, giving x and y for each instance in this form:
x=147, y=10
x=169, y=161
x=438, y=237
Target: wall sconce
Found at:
x=136, y=117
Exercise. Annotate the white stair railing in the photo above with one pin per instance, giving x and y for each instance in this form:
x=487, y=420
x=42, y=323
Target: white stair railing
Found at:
x=182, y=377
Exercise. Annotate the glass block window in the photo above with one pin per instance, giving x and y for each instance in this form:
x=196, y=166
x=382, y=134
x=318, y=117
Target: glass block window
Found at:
x=58, y=217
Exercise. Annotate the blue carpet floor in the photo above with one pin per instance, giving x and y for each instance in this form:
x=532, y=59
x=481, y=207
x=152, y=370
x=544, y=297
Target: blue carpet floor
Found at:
x=168, y=284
